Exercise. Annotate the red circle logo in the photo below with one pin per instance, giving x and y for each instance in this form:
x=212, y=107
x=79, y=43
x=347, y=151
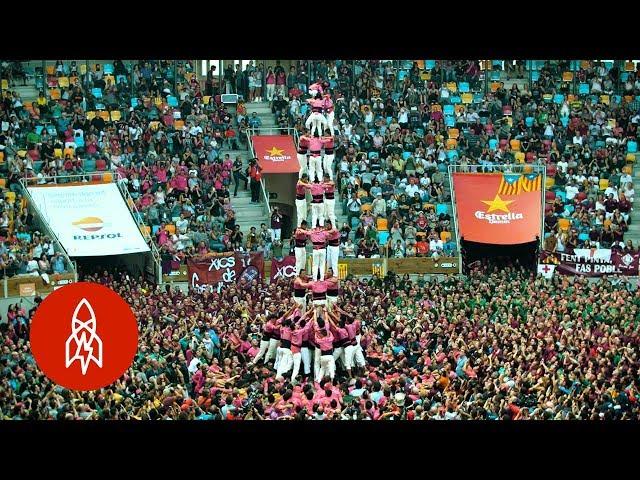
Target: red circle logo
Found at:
x=84, y=336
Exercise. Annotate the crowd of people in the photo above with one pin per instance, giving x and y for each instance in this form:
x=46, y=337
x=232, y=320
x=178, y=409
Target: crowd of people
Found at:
x=499, y=344
x=398, y=130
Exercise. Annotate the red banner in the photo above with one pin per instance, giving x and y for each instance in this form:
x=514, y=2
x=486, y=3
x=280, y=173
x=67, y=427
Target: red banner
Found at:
x=498, y=208
x=214, y=271
x=286, y=268
x=276, y=153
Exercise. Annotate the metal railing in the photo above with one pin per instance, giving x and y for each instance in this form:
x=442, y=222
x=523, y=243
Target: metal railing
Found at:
x=137, y=217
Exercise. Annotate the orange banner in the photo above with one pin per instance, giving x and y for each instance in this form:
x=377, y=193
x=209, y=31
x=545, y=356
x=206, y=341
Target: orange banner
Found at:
x=276, y=153
x=498, y=208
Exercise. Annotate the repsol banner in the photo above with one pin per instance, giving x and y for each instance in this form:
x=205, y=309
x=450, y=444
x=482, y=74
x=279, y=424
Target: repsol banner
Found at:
x=283, y=269
x=593, y=262
x=213, y=272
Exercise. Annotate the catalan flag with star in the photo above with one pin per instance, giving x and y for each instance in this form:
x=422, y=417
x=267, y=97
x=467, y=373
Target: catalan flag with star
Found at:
x=497, y=208
x=515, y=183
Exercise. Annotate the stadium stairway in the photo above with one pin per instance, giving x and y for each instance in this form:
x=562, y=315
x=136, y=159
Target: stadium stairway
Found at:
x=633, y=233
x=247, y=214
x=263, y=109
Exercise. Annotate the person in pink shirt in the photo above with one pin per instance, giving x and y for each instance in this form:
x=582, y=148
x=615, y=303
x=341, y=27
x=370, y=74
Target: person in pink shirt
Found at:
x=284, y=359
x=303, y=148
x=340, y=334
x=301, y=198
x=353, y=351
x=315, y=158
x=301, y=328
x=315, y=89
x=316, y=123
x=300, y=237
x=300, y=285
x=324, y=339
x=333, y=288
x=329, y=111
x=319, y=239
x=327, y=161
x=329, y=199
x=333, y=247
x=317, y=204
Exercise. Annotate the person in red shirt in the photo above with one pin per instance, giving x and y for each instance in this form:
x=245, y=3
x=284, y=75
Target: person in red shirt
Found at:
x=255, y=173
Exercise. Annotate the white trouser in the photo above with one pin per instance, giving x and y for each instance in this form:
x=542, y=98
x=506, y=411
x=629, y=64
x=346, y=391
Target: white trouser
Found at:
x=349, y=356
x=271, y=88
x=277, y=233
x=318, y=265
x=273, y=348
x=276, y=364
x=302, y=301
x=316, y=364
x=331, y=301
x=264, y=346
x=327, y=165
x=329, y=117
x=306, y=360
x=315, y=167
x=358, y=356
x=301, y=258
x=316, y=122
x=320, y=303
x=297, y=357
x=286, y=362
x=317, y=214
x=304, y=164
x=330, y=210
x=301, y=210
x=327, y=367
x=332, y=258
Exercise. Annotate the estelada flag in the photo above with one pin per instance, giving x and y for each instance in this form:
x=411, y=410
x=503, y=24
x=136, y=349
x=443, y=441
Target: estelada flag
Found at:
x=498, y=208
x=276, y=153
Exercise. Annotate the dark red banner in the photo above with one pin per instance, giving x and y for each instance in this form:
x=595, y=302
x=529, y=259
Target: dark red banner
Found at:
x=286, y=268
x=594, y=262
x=214, y=271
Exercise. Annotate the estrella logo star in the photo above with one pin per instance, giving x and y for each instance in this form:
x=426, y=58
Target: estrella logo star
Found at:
x=497, y=204
x=275, y=152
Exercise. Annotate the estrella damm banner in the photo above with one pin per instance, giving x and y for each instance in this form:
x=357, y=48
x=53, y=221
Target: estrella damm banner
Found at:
x=498, y=208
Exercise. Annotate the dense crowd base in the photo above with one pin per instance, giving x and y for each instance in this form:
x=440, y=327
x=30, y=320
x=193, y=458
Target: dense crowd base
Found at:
x=499, y=344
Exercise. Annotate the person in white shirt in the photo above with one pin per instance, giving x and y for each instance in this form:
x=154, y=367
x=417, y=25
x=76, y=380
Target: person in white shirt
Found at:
x=563, y=165
x=629, y=191
x=548, y=130
x=579, y=178
x=411, y=189
x=611, y=190
x=571, y=191
x=182, y=224
x=435, y=243
x=625, y=178
x=577, y=139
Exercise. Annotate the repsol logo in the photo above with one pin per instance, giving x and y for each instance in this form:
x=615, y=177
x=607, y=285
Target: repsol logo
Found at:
x=97, y=237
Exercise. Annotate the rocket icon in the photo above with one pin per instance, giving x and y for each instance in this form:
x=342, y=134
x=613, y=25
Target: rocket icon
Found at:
x=83, y=344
